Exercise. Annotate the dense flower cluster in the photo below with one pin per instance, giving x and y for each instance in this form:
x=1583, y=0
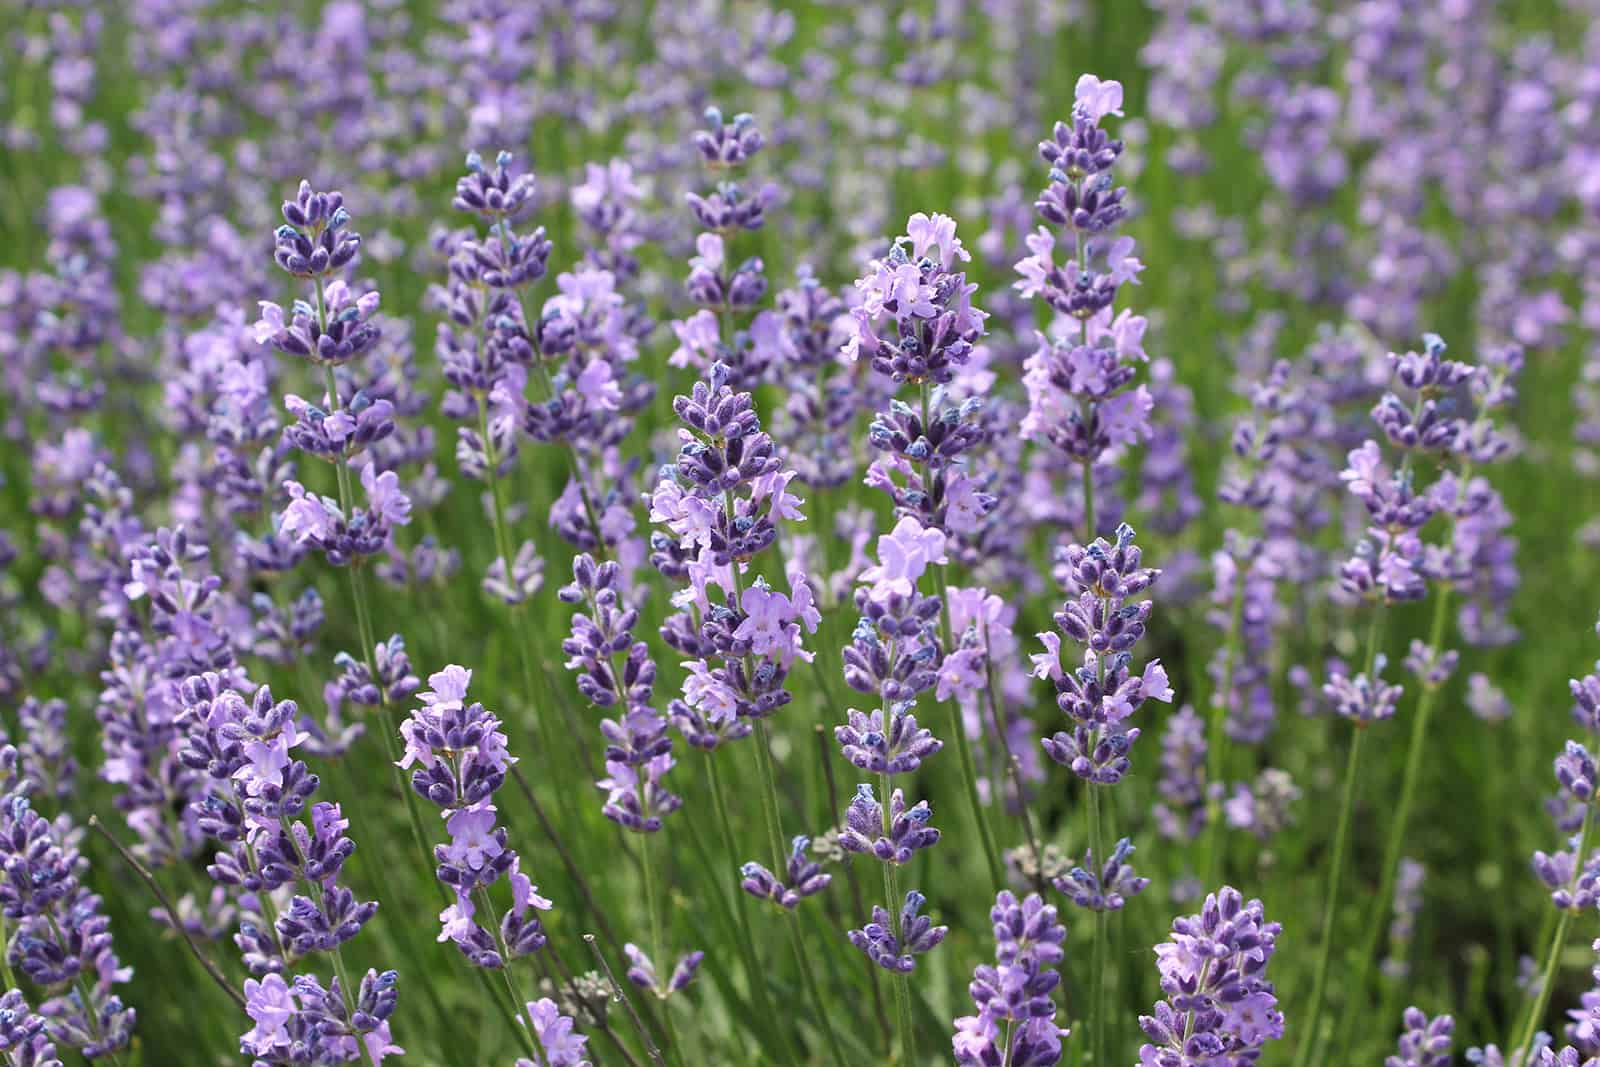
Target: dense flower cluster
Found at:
x=1015, y=1022
x=720, y=505
x=200, y=484
x=286, y=873
x=1081, y=394
x=1219, y=1006
x=1103, y=615
x=461, y=760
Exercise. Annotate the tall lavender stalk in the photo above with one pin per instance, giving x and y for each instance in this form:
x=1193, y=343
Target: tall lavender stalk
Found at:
x=1081, y=397
x=1477, y=519
x=1390, y=565
x=461, y=760
x=257, y=793
x=893, y=654
x=1573, y=877
x=917, y=325
x=721, y=504
x=1099, y=696
x=316, y=243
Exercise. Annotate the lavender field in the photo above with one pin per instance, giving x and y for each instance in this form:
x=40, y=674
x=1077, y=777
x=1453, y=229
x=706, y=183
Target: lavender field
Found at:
x=691, y=533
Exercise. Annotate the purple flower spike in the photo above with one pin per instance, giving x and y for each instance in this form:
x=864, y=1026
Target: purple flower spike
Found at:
x=804, y=878
x=898, y=748
x=1100, y=695
x=1109, y=886
x=461, y=759
x=895, y=948
x=1425, y=1043
x=22, y=1033
x=1016, y=991
x=1219, y=1004
x=908, y=829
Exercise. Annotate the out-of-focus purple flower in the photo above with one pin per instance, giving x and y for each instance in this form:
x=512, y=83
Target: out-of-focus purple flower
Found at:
x=559, y=1040
x=642, y=971
x=1402, y=928
x=1425, y=1043
x=1263, y=807
x=1362, y=700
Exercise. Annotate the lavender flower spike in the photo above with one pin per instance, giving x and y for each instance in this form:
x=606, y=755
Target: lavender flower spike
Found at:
x=1219, y=1006
x=1016, y=991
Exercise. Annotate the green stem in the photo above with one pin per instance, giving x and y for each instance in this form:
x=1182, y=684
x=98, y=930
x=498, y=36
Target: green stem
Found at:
x=757, y=978
x=618, y=997
x=160, y=894
x=891, y=891
x=1088, y=503
x=1547, y=974
x=1341, y=839
x=803, y=961
x=5, y=944
x=1102, y=933
x=882, y=1016
x=958, y=728
x=770, y=804
x=998, y=721
x=969, y=769
x=1217, y=737
x=518, y=1001
x=1368, y=946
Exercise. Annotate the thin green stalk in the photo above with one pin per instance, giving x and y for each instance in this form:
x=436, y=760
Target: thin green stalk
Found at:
x=803, y=961
x=770, y=803
x=502, y=536
x=149, y=879
x=5, y=967
x=854, y=884
x=906, y=1028
x=1088, y=503
x=958, y=728
x=1330, y=909
x=652, y=904
x=969, y=769
x=753, y=971
x=518, y=1000
x=363, y=615
x=1102, y=934
x=1368, y=945
x=998, y=721
x=1216, y=738
x=1547, y=974
x=591, y=905
x=618, y=997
